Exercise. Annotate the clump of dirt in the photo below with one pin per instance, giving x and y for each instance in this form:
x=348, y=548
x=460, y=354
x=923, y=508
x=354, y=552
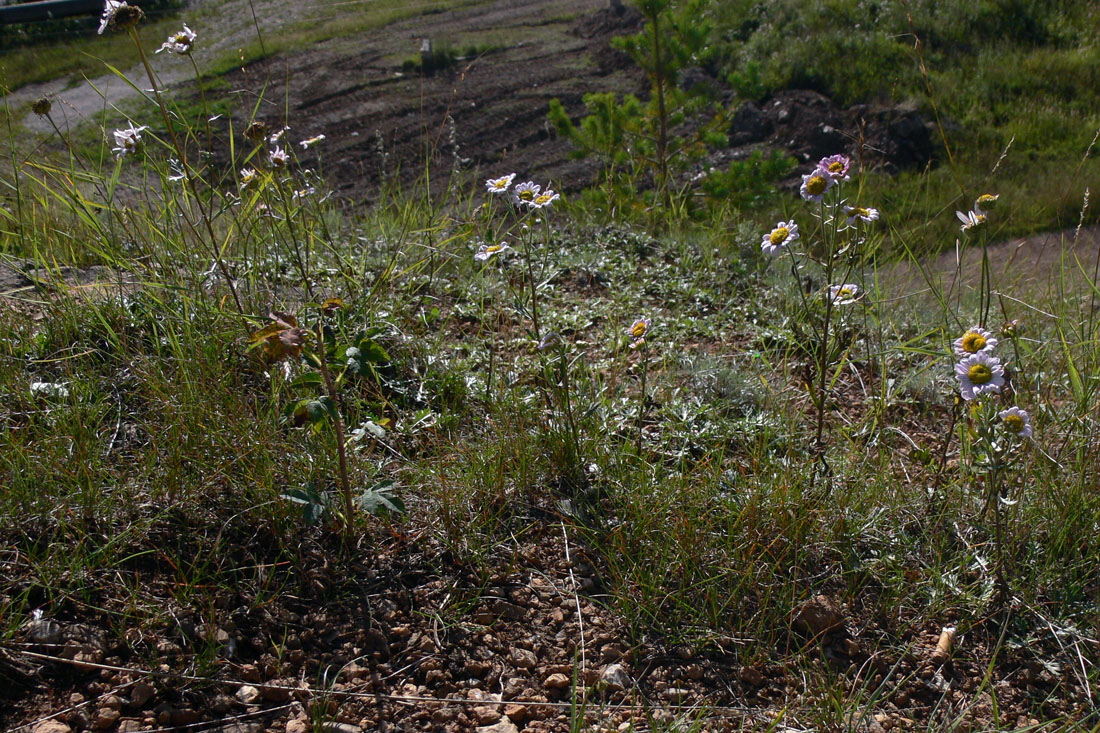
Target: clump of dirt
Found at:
x=811, y=126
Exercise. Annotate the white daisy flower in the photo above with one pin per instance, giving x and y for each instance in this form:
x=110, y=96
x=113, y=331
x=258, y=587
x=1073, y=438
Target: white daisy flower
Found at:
x=300, y=195
x=974, y=340
x=544, y=199
x=278, y=158
x=128, y=140
x=860, y=213
x=986, y=202
x=525, y=193
x=310, y=142
x=1016, y=421
x=276, y=137
x=180, y=42
x=845, y=294
x=979, y=373
x=837, y=166
x=499, y=185
x=814, y=185
x=970, y=219
x=775, y=241
x=486, y=251
x=110, y=10
x=249, y=177
x=49, y=389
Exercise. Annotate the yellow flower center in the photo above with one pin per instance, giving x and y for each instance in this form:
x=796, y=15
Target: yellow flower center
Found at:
x=1014, y=423
x=973, y=342
x=500, y=183
x=844, y=293
x=836, y=166
x=541, y=199
x=979, y=373
x=638, y=330
x=816, y=185
x=492, y=249
x=861, y=212
x=779, y=235
x=526, y=194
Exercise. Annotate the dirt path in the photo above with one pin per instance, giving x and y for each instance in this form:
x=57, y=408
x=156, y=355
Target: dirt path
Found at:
x=222, y=26
x=380, y=120
x=1027, y=267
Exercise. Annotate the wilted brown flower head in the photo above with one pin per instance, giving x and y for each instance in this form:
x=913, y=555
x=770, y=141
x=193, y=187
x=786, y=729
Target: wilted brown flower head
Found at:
x=256, y=132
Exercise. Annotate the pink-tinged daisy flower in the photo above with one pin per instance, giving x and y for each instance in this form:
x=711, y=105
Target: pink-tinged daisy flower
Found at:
x=499, y=185
x=814, y=185
x=976, y=339
x=552, y=338
x=845, y=294
x=544, y=199
x=979, y=373
x=278, y=158
x=128, y=140
x=837, y=166
x=860, y=213
x=525, y=193
x=638, y=331
x=970, y=219
x=180, y=42
x=783, y=234
x=310, y=142
x=487, y=251
x=1016, y=421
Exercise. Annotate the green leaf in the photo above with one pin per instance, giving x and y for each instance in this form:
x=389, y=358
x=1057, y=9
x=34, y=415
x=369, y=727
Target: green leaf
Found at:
x=379, y=499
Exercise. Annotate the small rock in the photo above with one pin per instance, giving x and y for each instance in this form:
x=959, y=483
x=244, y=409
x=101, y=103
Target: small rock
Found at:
x=250, y=673
x=221, y=704
x=111, y=702
x=248, y=694
x=614, y=678
x=141, y=693
x=515, y=712
x=817, y=616
x=130, y=725
x=556, y=681
x=486, y=714
x=524, y=658
x=106, y=718
x=751, y=676
x=51, y=726
x=185, y=716
x=693, y=672
x=296, y=726
x=502, y=726
x=331, y=727
x=677, y=694
x=277, y=691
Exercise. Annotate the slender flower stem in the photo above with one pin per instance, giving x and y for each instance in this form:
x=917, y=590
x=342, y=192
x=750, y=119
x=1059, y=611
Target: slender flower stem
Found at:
x=188, y=175
x=338, y=423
